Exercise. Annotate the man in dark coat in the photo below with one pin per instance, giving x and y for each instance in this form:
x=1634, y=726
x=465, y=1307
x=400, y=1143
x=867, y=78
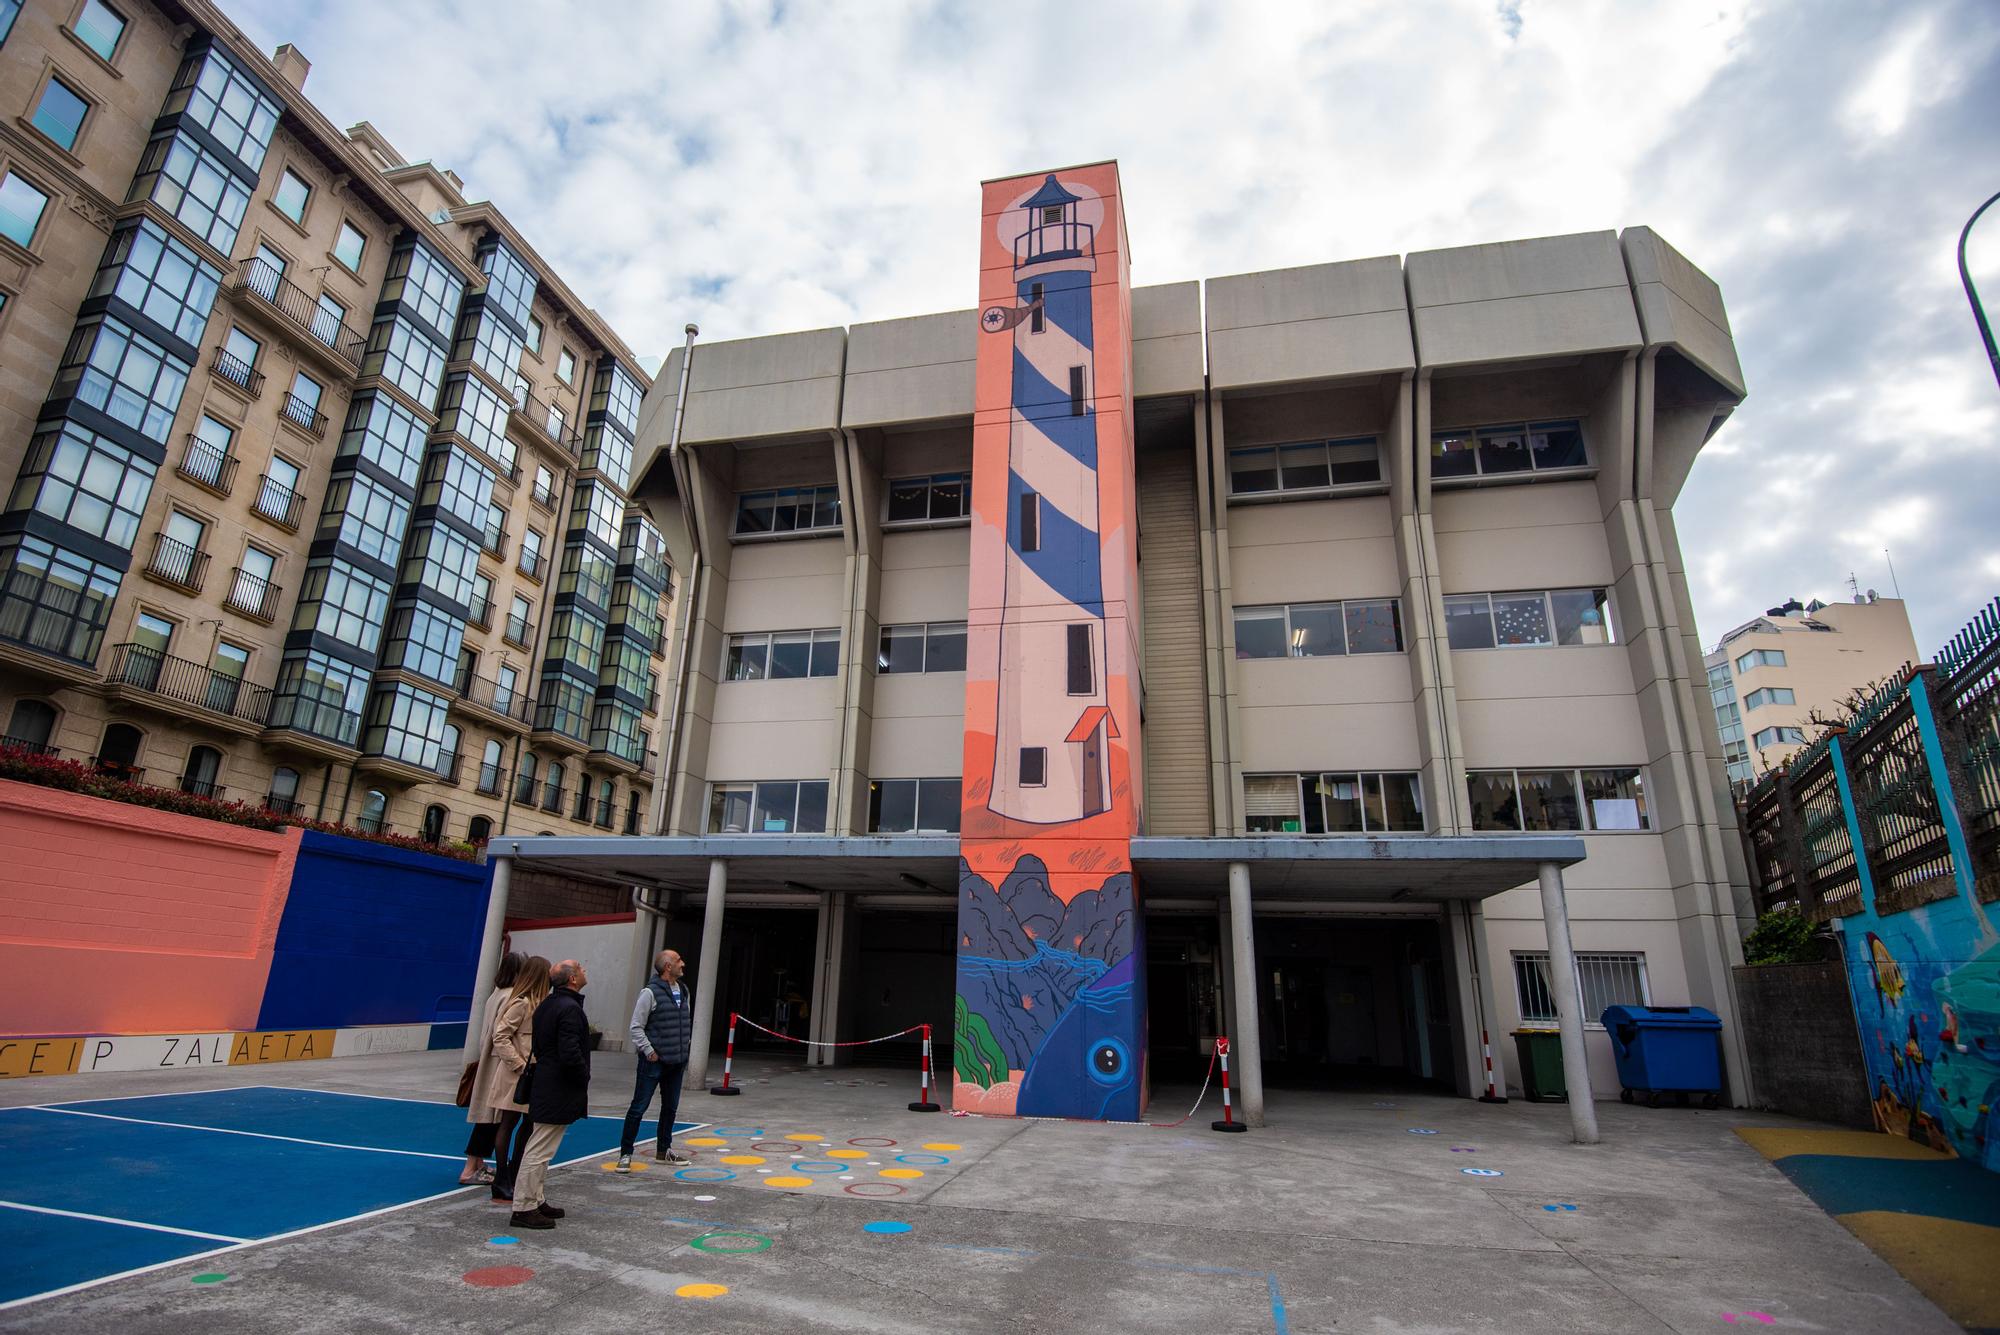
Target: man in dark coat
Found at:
x=559, y=1092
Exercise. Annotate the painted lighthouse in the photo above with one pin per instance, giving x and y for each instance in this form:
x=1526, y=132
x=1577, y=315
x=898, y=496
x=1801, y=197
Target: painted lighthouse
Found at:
x=1050, y=1017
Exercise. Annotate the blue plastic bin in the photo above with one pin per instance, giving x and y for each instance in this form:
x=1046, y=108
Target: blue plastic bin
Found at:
x=1666, y=1050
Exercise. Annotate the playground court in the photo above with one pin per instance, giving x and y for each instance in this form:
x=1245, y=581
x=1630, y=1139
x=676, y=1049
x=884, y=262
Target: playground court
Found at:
x=818, y=1202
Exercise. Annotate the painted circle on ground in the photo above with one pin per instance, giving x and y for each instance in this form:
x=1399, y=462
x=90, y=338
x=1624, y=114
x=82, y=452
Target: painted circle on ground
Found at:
x=503, y=1241
x=704, y=1140
x=875, y=1189
x=211, y=1277
x=774, y=1146
x=847, y=1154
x=742, y=1158
x=498, y=1276
x=701, y=1290
x=704, y=1198
x=872, y=1142
x=942, y=1146
x=1422, y=1131
x=731, y=1244
x=928, y=1160
x=752, y=1131
x=791, y=1182
x=803, y=1135
x=705, y=1175
x=1482, y=1172
x=814, y=1166
x=886, y=1226
x=902, y=1172
x=611, y=1166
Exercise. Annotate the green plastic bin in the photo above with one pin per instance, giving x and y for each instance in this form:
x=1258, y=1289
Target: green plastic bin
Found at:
x=1540, y=1057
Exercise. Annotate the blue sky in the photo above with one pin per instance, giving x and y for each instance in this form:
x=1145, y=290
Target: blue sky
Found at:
x=759, y=168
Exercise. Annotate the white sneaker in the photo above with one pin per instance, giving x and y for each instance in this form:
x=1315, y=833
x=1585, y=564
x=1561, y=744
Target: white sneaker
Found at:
x=624, y=1163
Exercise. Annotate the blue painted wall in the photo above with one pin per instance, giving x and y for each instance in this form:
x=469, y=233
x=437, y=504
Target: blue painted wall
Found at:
x=375, y=935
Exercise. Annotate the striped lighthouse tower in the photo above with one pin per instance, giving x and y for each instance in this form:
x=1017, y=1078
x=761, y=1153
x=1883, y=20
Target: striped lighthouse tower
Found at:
x=1050, y=755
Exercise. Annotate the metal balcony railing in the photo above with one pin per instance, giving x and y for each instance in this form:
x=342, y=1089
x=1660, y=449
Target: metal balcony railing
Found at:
x=278, y=502
x=176, y=563
x=283, y=806
x=552, y=797
x=531, y=563
x=118, y=769
x=520, y=631
x=26, y=746
x=605, y=807
x=631, y=821
x=526, y=789
x=237, y=372
x=448, y=766
x=291, y=301
x=481, y=613
x=208, y=464
x=489, y=779
x=513, y=701
x=303, y=415
x=493, y=538
x=253, y=595
x=201, y=787
x=549, y=423
x=545, y=496
x=148, y=669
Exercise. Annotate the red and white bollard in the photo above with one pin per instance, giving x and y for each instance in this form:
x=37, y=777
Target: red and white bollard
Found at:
x=1492, y=1094
x=924, y=1103
x=728, y=1059
x=1228, y=1122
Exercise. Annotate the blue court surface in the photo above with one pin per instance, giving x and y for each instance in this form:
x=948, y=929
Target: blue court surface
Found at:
x=104, y=1187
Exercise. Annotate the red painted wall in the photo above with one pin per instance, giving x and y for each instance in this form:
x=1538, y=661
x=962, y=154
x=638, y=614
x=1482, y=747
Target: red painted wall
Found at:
x=119, y=919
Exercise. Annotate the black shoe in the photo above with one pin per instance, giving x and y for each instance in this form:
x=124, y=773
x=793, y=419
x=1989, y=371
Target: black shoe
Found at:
x=530, y=1219
x=549, y=1211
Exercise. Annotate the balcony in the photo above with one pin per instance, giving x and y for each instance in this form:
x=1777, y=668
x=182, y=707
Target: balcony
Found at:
x=526, y=789
x=313, y=721
x=24, y=746
x=449, y=764
x=237, y=372
x=545, y=423
x=278, y=503
x=305, y=416
x=200, y=787
x=118, y=769
x=545, y=496
x=283, y=806
x=208, y=465
x=605, y=808
x=149, y=672
x=490, y=775
x=520, y=631
x=304, y=312
x=177, y=564
x=512, y=703
x=252, y=595
x=481, y=613
x=493, y=538
x=532, y=564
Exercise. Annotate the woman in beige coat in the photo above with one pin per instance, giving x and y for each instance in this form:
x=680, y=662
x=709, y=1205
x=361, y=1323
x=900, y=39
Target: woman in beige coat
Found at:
x=479, y=1110
x=511, y=1049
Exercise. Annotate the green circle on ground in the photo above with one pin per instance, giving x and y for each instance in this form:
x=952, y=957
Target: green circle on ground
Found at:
x=707, y=1243
x=210, y=1278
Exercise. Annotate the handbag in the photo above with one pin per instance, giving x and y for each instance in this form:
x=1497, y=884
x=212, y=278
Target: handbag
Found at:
x=525, y=1085
x=465, y=1082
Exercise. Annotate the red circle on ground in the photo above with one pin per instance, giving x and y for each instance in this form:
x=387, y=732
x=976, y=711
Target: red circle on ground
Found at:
x=498, y=1276
x=875, y=1189
x=872, y=1143
x=775, y=1146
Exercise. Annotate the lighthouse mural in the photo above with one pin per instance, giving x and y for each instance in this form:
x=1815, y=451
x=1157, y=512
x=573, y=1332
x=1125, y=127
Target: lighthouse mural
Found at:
x=1051, y=1010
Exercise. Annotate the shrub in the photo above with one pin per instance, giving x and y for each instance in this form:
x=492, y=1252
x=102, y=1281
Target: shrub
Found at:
x=1781, y=937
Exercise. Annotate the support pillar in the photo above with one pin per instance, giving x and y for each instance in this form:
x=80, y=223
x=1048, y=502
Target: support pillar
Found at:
x=489, y=954
x=709, y=977
x=816, y=1016
x=1225, y=970
x=1569, y=1006
x=638, y=964
x=1246, y=1044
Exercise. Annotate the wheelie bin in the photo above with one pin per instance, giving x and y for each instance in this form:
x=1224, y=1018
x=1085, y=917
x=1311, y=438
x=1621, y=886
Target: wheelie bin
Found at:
x=1664, y=1050
x=1540, y=1064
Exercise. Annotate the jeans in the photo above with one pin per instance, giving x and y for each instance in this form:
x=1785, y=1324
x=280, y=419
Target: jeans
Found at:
x=666, y=1077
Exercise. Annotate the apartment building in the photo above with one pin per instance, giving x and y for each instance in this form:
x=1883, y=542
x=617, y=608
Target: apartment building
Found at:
x=1770, y=677
x=1249, y=657
x=316, y=470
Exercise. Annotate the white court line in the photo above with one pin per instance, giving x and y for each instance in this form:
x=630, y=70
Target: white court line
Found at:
x=258, y=1135
x=128, y=1098
x=127, y=1223
x=350, y=1094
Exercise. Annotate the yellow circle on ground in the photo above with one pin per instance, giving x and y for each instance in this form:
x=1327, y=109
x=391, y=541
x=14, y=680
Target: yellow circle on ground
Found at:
x=611, y=1166
x=902, y=1172
x=802, y=1135
x=847, y=1154
x=788, y=1181
x=701, y=1290
x=705, y=1140
x=742, y=1158
x=941, y=1145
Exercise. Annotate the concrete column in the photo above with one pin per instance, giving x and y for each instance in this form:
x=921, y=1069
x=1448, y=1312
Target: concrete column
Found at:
x=709, y=977
x=816, y=1021
x=489, y=953
x=1225, y=969
x=639, y=968
x=1569, y=1006
x=1246, y=1046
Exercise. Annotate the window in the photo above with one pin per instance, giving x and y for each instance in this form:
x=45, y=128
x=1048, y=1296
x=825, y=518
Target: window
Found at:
x=341, y=601
x=54, y=600
x=443, y=561
x=302, y=404
x=350, y=246
x=506, y=688
x=525, y=781
x=777, y=655
x=914, y=806
x=251, y=590
x=329, y=319
x=1028, y=532
x=198, y=777
x=1034, y=769
x=361, y=512
x=291, y=195
x=566, y=367
x=188, y=181
x=374, y=808
x=923, y=499
x=789, y=510
x=425, y=640
x=1304, y=466
x=225, y=676
x=477, y=412
x=1563, y=799
x=99, y=27
x=433, y=828
x=426, y=285
x=1080, y=674
x=1761, y=658
x=1528, y=620
x=283, y=796
x=586, y=572
x=1517, y=447
x=406, y=358
x=406, y=723
x=936, y=647
x=21, y=206
x=595, y=509
x=114, y=368
x=1077, y=406
x=460, y=486
x=484, y=340
x=319, y=694
x=1603, y=980
x=479, y=830
x=552, y=788
x=219, y=98
x=33, y=723
x=386, y=434
x=535, y=331
x=1320, y=630
x=781, y=807
x=160, y=278
x=531, y=552
x=60, y=113
x=1769, y=695
x=85, y=480
x=519, y=628
x=578, y=636
x=1780, y=737
x=241, y=350
x=604, y=449
x=510, y=284
x=1333, y=803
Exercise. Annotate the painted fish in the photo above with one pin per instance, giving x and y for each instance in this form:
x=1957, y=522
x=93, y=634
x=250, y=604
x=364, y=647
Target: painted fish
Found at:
x=1889, y=982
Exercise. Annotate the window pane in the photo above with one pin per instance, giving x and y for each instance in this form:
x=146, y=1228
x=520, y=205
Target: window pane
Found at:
x=1271, y=804
x=753, y=512
x=1316, y=631
x=902, y=649
x=1260, y=632
x=1556, y=444
x=1355, y=461
x=291, y=196
x=59, y=115
x=812, y=808
x=948, y=496
x=1548, y=800
x=1402, y=802
x=728, y=809
x=99, y=27
x=1302, y=466
x=777, y=805
x=1468, y=621
x=946, y=648
x=1609, y=980
x=791, y=654
x=1252, y=470
x=893, y=806
x=1341, y=796
x=350, y=245
x=909, y=499
x=1495, y=806
x=21, y=208
x=1520, y=619
x=1503, y=450
x=1375, y=626
x=1616, y=799
x=1583, y=616
x=825, y=654
x=938, y=805
x=1453, y=455
x=746, y=657
x=1310, y=803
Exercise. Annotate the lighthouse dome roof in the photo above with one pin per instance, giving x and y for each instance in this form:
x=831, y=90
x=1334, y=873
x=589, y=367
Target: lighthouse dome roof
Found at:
x=1050, y=193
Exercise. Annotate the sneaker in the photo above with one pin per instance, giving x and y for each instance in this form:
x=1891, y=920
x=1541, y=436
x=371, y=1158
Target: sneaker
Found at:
x=672, y=1157
x=550, y=1211
x=530, y=1219
x=624, y=1163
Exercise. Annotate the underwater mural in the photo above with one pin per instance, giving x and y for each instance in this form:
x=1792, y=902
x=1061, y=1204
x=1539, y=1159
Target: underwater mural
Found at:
x=1050, y=1015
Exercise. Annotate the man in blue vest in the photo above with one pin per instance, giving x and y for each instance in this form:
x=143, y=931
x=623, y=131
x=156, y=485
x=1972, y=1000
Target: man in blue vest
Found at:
x=662, y=1021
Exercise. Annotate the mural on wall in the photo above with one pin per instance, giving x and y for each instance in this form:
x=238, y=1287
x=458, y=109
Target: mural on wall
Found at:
x=1050, y=1016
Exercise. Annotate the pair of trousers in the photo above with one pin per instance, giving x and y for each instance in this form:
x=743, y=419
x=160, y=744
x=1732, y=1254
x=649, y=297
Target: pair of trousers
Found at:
x=533, y=1179
x=479, y=1145
x=665, y=1077
x=515, y=1131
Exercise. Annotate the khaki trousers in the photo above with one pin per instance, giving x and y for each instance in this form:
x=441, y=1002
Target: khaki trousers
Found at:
x=535, y=1166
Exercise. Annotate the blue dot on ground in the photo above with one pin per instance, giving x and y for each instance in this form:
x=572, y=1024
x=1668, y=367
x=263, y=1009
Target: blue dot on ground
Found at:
x=886, y=1226
x=503, y=1241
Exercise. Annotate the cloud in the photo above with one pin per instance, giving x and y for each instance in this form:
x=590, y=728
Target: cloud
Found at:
x=763, y=167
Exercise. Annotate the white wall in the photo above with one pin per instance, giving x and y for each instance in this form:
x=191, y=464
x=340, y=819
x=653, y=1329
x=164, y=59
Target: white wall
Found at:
x=605, y=950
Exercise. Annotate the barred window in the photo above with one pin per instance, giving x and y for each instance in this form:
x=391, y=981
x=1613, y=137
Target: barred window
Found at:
x=920, y=499
x=386, y=434
x=458, y=484
x=607, y=451
x=339, y=600
x=192, y=184
x=1604, y=979
x=159, y=277
x=426, y=640
x=937, y=646
x=1320, y=630
x=53, y=600
x=595, y=510
x=365, y=515
x=406, y=723
x=510, y=284
x=406, y=358
x=586, y=572
x=425, y=284
x=578, y=637
x=219, y=98
x=914, y=806
x=88, y=482
x=113, y=367
x=617, y=396
x=319, y=694
x=489, y=343
x=442, y=561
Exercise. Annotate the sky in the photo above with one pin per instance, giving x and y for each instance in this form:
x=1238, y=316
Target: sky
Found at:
x=769, y=166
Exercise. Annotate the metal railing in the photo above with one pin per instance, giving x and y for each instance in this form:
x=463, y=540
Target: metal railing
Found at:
x=548, y=423
x=253, y=595
x=605, y=807
x=291, y=301
x=552, y=797
x=278, y=502
x=520, y=631
x=237, y=372
x=525, y=788
x=283, y=806
x=489, y=779
x=22, y=744
x=208, y=464
x=513, y=701
x=118, y=769
x=201, y=787
x=531, y=563
x=174, y=562
x=481, y=613
x=448, y=766
x=493, y=537
x=545, y=497
x=305, y=416
x=148, y=669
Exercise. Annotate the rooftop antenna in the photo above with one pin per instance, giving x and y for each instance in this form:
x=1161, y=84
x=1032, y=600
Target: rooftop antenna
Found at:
x=1892, y=575
x=1853, y=587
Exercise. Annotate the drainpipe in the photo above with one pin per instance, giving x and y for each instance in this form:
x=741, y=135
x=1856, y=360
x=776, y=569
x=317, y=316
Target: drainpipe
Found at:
x=325, y=783
x=670, y=745
x=845, y=476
